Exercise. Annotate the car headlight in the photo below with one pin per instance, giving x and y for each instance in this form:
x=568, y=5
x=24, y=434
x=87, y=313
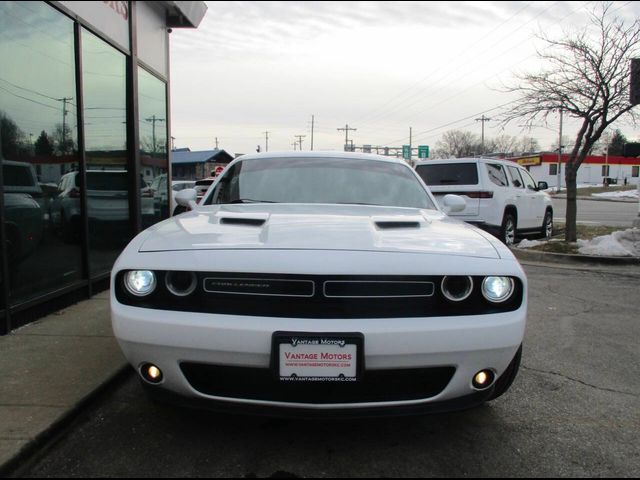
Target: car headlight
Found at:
x=140, y=282
x=497, y=289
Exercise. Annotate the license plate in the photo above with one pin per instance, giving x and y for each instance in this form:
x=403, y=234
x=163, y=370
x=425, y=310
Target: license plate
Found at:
x=302, y=357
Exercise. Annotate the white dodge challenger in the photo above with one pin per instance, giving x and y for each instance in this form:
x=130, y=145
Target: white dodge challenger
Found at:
x=320, y=283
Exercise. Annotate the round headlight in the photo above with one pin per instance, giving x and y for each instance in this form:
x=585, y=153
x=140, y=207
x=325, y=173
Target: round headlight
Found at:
x=497, y=289
x=140, y=282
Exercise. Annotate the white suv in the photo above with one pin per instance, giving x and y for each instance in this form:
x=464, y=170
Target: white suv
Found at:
x=501, y=196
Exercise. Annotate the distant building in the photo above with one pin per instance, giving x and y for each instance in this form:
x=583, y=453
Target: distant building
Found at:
x=188, y=165
x=594, y=169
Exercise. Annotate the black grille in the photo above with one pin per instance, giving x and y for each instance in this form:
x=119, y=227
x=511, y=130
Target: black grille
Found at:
x=261, y=384
x=316, y=296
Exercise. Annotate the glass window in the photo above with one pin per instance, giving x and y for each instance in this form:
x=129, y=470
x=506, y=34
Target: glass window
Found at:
x=496, y=174
x=635, y=170
x=154, y=161
x=553, y=169
x=516, y=179
x=38, y=128
x=605, y=170
x=529, y=182
x=105, y=93
x=449, y=173
x=321, y=180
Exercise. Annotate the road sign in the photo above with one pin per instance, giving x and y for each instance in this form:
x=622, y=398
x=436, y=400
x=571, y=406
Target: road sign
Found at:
x=423, y=151
x=406, y=152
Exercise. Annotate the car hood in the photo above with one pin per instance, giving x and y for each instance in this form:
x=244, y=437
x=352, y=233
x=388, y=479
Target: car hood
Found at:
x=317, y=227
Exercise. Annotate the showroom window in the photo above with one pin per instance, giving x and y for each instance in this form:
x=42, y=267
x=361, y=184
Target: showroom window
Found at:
x=154, y=160
x=38, y=148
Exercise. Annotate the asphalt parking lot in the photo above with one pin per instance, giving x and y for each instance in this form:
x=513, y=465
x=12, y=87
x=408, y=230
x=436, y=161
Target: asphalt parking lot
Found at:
x=574, y=410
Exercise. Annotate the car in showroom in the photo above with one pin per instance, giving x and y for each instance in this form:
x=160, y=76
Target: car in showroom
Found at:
x=320, y=283
x=107, y=203
x=501, y=196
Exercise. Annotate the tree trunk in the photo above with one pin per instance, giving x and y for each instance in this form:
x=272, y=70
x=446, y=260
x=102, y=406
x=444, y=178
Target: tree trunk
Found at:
x=570, y=234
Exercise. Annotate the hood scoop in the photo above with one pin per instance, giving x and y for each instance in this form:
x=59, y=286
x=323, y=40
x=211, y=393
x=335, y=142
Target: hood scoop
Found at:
x=239, y=219
x=398, y=223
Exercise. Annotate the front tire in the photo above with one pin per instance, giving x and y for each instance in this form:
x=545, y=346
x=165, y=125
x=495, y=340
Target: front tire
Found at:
x=508, y=229
x=547, y=225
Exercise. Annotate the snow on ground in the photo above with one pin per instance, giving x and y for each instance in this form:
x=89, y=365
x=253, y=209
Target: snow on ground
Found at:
x=618, y=194
x=529, y=243
x=623, y=243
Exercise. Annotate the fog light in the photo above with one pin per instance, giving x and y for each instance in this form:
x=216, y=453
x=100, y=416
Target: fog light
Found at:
x=151, y=373
x=483, y=379
x=497, y=289
x=181, y=284
x=140, y=282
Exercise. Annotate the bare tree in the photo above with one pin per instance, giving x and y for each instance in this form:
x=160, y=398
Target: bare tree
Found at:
x=588, y=79
x=457, y=144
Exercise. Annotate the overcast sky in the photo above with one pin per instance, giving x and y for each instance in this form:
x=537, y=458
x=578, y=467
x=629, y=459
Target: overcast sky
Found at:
x=380, y=67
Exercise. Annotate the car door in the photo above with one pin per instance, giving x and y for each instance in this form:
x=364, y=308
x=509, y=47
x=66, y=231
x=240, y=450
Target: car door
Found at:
x=534, y=198
x=518, y=197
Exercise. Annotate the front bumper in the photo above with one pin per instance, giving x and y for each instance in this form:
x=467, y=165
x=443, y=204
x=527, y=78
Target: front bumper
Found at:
x=467, y=344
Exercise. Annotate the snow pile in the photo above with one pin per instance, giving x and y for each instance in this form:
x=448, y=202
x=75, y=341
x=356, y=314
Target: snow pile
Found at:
x=624, y=243
x=529, y=243
x=618, y=194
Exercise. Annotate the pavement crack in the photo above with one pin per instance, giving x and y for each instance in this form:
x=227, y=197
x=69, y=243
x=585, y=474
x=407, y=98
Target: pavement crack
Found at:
x=549, y=372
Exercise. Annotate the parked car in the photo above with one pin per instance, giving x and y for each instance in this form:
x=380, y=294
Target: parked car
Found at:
x=203, y=185
x=23, y=211
x=107, y=202
x=24, y=225
x=501, y=196
x=320, y=283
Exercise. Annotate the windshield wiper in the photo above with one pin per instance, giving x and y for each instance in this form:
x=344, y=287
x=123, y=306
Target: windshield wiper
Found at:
x=250, y=200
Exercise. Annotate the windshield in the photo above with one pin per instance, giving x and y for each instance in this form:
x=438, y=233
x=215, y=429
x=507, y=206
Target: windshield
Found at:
x=321, y=180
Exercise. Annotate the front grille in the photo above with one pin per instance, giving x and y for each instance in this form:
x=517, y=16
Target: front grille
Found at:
x=318, y=296
x=261, y=384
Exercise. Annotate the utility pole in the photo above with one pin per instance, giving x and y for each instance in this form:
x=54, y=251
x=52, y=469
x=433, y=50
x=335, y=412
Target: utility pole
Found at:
x=266, y=141
x=216, y=143
x=346, y=135
x=153, y=121
x=294, y=144
x=64, y=101
x=312, y=122
x=482, y=119
x=300, y=137
x=559, y=152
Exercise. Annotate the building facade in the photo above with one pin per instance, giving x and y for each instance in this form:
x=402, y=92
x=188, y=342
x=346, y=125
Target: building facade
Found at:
x=188, y=165
x=84, y=129
x=595, y=170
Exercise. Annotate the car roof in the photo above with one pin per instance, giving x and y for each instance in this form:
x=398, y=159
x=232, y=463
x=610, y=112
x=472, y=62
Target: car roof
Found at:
x=322, y=154
x=503, y=161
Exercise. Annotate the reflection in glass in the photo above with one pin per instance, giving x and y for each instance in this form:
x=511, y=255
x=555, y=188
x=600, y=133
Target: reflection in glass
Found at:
x=105, y=92
x=38, y=144
x=153, y=146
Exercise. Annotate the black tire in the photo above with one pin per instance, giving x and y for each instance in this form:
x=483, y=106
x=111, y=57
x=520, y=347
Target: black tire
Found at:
x=508, y=229
x=506, y=379
x=547, y=225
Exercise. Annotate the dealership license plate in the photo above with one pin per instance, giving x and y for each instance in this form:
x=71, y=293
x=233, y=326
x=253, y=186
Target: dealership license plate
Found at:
x=318, y=358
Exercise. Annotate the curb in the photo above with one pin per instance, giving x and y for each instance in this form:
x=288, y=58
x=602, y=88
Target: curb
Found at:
x=34, y=446
x=548, y=257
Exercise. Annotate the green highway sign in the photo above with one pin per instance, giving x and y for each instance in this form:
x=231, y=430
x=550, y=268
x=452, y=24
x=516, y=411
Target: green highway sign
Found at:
x=423, y=151
x=406, y=152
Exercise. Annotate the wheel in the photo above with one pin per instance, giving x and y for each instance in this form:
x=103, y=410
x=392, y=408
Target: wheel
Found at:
x=506, y=379
x=508, y=230
x=547, y=225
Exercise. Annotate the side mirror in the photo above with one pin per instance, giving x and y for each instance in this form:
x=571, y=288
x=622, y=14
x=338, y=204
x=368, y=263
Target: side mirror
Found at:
x=187, y=198
x=543, y=185
x=453, y=204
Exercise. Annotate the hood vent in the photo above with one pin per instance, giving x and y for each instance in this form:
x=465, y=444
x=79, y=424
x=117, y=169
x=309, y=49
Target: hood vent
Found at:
x=388, y=225
x=251, y=222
